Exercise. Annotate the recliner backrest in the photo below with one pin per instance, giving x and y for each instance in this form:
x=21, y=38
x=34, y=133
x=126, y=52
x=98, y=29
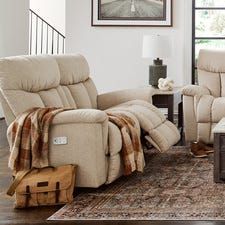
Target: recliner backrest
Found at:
x=45, y=81
x=211, y=71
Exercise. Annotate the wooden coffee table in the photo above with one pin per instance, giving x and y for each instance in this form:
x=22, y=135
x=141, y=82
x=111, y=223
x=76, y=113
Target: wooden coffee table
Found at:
x=219, y=154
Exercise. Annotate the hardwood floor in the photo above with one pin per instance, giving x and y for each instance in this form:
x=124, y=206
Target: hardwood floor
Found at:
x=37, y=216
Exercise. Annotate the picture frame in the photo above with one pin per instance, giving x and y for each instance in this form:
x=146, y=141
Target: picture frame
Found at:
x=152, y=13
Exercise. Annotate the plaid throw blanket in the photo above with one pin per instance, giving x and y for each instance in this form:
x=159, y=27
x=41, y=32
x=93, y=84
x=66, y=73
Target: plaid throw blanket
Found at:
x=132, y=152
x=28, y=138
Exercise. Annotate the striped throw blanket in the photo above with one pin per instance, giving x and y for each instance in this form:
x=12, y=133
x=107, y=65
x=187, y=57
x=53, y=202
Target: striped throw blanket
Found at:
x=132, y=152
x=28, y=136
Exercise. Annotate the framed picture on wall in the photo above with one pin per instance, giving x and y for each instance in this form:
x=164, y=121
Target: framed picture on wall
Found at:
x=157, y=13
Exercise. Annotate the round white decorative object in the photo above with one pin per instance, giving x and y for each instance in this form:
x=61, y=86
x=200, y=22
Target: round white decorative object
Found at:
x=166, y=84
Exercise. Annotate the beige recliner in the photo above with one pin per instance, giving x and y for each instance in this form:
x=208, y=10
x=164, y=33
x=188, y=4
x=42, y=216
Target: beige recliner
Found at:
x=94, y=144
x=204, y=104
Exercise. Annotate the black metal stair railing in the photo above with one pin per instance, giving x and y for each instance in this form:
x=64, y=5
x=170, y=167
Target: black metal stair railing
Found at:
x=44, y=38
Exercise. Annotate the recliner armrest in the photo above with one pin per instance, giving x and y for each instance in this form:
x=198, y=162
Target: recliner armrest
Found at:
x=193, y=90
x=80, y=116
x=111, y=99
x=86, y=132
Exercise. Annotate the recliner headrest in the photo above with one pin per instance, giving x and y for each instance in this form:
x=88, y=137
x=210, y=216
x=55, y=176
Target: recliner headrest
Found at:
x=29, y=73
x=42, y=72
x=73, y=69
x=212, y=61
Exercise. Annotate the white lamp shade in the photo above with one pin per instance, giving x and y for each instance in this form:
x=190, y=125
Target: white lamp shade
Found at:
x=156, y=46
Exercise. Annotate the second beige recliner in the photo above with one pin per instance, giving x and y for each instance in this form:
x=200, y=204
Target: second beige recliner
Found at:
x=204, y=104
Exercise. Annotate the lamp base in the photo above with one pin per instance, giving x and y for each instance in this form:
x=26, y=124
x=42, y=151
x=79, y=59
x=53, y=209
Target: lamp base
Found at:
x=157, y=71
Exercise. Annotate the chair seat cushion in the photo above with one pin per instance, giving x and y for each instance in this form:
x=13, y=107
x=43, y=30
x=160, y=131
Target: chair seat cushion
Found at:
x=210, y=109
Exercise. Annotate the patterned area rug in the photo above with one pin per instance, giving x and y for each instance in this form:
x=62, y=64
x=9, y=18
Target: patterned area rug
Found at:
x=174, y=186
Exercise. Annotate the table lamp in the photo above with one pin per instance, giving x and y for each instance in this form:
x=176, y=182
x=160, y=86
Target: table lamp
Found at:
x=158, y=47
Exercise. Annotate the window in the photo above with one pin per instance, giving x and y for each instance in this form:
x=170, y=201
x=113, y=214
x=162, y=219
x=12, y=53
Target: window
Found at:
x=208, y=28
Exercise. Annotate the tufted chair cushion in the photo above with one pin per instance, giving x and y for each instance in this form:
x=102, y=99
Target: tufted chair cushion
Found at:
x=211, y=71
x=46, y=81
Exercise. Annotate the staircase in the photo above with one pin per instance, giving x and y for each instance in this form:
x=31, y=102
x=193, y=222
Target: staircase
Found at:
x=44, y=38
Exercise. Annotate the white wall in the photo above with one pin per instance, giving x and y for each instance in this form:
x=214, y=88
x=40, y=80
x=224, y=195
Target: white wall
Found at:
x=114, y=53
x=53, y=11
x=14, y=28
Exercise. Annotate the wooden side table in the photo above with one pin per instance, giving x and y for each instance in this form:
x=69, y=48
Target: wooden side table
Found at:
x=170, y=100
